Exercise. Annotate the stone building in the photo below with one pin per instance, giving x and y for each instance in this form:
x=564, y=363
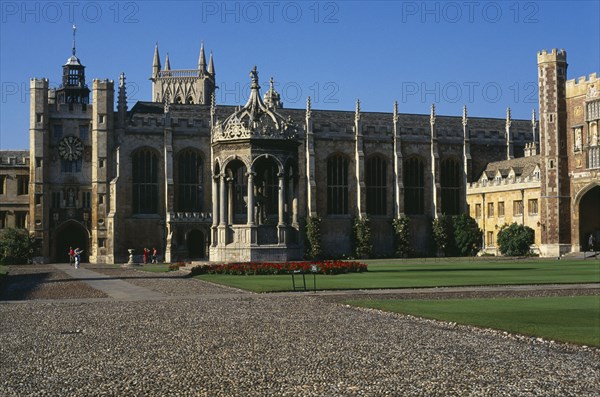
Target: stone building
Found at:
x=14, y=189
x=196, y=179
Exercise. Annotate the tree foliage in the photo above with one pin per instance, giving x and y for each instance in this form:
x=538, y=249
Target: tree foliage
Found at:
x=363, y=247
x=467, y=235
x=515, y=239
x=16, y=246
x=402, y=236
x=443, y=235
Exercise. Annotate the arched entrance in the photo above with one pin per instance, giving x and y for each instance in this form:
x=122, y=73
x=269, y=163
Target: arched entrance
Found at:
x=196, y=245
x=71, y=234
x=589, y=218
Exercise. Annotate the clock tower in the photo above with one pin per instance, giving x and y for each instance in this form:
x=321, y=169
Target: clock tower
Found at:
x=70, y=164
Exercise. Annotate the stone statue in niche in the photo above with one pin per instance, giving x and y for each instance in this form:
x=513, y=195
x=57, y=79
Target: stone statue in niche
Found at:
x=578, y=139
x=70, y=197
x=594, y=134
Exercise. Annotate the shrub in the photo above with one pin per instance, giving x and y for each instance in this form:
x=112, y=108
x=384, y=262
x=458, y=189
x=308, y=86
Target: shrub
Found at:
x=402, y=236
x=515, y=239
x=363, y=248
x=262, y=268
x=16, y=246
x=467, y=235
x=312, y=242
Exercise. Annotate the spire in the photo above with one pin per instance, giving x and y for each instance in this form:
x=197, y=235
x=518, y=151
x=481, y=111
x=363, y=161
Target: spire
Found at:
x=122, y=99
x=202, y=59
x=156, y=62
x=308, y=108
x=464, y=116
x=508, y=117
x=167, y=63
x=211, y=65
x=395, y=117
x=357, y=112
x=74, y=30
x=432, y=115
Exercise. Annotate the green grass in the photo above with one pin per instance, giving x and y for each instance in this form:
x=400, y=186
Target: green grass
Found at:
x=396, y=273
x=3, y=271
x=574, y=319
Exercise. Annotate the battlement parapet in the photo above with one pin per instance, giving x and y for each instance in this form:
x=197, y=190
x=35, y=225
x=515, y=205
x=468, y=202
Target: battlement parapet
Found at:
x=554, y=56
x=583, y=85
x=14, y=157
x=36, y=83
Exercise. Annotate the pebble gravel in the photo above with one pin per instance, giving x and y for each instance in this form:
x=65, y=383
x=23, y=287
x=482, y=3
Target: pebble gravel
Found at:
x=270, y=345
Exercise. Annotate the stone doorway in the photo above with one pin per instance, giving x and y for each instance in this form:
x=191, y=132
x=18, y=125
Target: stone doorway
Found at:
x=196, y=245
x=589, y=218
x=70, y=234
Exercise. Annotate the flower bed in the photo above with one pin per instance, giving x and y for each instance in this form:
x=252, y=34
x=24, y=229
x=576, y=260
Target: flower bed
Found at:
x=253, y=268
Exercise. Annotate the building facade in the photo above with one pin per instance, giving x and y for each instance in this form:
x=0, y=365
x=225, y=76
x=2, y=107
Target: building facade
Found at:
x=196, y=179
x=14, y=189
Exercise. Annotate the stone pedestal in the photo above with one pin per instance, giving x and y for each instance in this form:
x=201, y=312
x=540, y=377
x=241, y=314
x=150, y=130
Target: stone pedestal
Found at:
x=131, y=262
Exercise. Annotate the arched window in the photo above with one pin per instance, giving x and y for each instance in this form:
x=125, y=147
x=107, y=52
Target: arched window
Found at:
x=267, y=187
x=376, y=181
x=189, y=181
x=145, y=182
x=451, y=175
x=238, y=191
x=414, y=186
x=337, y=185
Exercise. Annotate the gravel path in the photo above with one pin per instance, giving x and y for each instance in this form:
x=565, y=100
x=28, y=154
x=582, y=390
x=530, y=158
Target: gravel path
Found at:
x=262, y=345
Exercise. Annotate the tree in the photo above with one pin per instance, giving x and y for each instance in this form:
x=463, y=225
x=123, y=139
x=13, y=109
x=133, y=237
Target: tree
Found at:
x=443, y=234
x=363, y=248
x=515, y=239
x=16, y=246
x=402, y=236
x=467, y=235
x=312, y=243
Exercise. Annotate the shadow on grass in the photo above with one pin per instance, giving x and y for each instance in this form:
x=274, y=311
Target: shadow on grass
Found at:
x=453, y=270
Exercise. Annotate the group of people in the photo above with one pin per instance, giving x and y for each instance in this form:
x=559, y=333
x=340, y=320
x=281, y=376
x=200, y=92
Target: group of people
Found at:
x=75, y=256
x=147, y=253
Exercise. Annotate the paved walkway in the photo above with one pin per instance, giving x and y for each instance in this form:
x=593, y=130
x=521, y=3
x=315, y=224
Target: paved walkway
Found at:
x=116, y=289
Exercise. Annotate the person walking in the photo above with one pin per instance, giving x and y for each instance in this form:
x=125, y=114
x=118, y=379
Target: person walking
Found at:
x=71, y=256
x=591, y=242
x=77, y=257
x=146, y=255
x=154, y=253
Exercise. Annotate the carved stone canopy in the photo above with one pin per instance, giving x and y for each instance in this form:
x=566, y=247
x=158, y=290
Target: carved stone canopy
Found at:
x=255, y=120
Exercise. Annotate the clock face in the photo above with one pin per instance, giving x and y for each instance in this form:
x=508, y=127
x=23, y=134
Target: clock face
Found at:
x=70, y=148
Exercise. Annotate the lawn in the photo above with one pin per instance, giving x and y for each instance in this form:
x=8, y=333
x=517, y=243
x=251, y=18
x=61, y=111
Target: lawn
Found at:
x=396, y=273
x=574, y=319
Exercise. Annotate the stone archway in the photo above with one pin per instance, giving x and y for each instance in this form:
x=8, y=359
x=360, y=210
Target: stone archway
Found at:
x=196, y=244
x=589, y=217
x=70, y=234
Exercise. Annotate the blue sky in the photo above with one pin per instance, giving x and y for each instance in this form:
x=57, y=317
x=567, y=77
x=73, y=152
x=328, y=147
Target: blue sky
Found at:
x=478, y=53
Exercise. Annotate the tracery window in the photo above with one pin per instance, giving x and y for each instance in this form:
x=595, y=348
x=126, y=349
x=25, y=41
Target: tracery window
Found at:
x=337, y=185
x=376, y=183
x=189, y=181
x=145, y=182
x=451, y=175
x=414, y=186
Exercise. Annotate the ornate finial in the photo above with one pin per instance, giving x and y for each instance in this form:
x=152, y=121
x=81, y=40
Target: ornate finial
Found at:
x=464, y=116
x=508, y=117
x=122, y=79
x=357, y=113
x=271, y=82
x=254, y=77
x=74, y=30
x=533, y=118
x=395, y=111
x=308, y=106
x=433, y=110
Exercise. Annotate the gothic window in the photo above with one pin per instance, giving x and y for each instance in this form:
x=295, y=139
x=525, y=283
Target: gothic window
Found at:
x=490, y=210
x=190, y=100
x=178, y=100
x=376, y=182
x=337, y=185
x=189, y=181
x=451, y=175
x=67, y=166
x=238, y=181
x=517, y=207
x=414, y=186
x=532, y=207
x=501, y=208
x=490, y=239
x=478, y=210
x=145, y=182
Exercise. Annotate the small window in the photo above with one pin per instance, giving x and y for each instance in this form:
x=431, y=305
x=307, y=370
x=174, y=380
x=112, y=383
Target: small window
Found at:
x=100, y=199
x=532, y=207
x=518, y=207
x=38, y=162
x=477, y=210
x=22, y=184
x=101, y=119
x=490, y=210
x=38, y=199
x=501, y=208
x=101, y=163
x=2, y=183
x=490, y=239
x=21, y=219
x=39, y=117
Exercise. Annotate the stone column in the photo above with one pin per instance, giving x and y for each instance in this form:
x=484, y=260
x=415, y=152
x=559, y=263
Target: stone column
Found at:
x=215, y=209
x=222, y=229
x=281, y=227
x=250, y=202
x=230, y=198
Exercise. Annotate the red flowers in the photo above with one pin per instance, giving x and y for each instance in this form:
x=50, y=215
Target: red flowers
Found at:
x=254, y=268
